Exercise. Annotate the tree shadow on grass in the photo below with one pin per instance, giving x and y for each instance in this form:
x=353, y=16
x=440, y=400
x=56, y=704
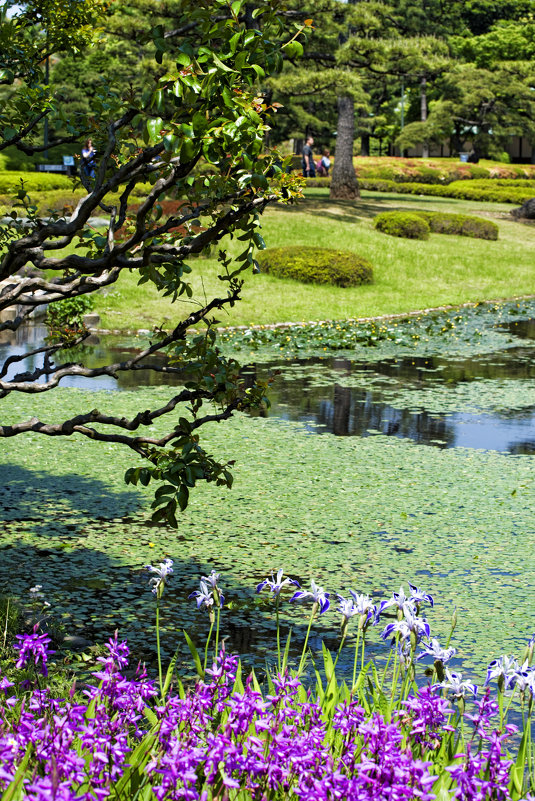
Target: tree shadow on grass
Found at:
x=366, y=208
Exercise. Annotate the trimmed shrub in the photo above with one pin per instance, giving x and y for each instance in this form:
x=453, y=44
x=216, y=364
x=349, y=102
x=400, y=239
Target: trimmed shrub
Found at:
x=313, y=265
x=436, y=171
x=395, y=223
x=460, y=224
x=402, y=223
x=33, y=181
x=487, y=191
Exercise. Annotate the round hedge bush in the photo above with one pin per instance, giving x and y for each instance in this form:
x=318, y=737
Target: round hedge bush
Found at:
x=402, y=223
x=316, y=265
x=461, y=224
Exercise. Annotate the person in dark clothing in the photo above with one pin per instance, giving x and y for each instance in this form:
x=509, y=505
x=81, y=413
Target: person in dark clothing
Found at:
x=309, y=167
x=88, y=162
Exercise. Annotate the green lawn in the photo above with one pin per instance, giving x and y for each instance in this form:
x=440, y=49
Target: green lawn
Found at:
x=408, y=275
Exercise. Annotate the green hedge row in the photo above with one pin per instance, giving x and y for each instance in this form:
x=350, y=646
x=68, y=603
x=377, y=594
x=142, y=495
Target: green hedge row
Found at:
x=313, y=265
x=462, y=190
x=33, y=182
x=418, y=224
x=433, y=171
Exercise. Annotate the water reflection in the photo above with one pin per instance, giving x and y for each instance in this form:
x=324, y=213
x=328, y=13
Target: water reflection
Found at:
x=525, y=329
x=346, y=411
x=315, y=392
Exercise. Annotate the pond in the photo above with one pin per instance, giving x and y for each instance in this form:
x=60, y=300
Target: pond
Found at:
x=421, y=472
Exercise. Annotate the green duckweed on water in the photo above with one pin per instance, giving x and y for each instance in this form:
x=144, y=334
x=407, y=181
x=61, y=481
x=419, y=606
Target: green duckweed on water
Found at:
x=458, y=332
x=363, y=513
x=368, y=514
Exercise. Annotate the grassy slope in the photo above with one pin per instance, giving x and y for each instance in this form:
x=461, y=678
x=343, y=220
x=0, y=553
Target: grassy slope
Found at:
x=409, y=274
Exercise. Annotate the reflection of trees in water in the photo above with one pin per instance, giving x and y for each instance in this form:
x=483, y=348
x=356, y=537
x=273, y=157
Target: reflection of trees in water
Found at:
x=526, y=448
x=525, y=329
x=355, y=412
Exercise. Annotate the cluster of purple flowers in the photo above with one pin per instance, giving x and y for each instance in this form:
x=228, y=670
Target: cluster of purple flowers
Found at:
x=224, y=736
x=70, y=746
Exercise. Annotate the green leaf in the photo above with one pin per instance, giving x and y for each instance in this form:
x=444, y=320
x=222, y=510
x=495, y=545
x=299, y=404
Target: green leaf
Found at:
x=293, y=49
x=154, y=126
x=217, y=61
x=518, y=769
x=195, y=654
x=169, y=674
x=15, y=789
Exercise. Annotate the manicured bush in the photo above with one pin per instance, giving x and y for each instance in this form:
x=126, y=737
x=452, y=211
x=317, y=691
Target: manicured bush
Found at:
x=486, y=191
x=398, y=223
x=316, y=265
x=402, y=223
x=460, y=224
x=436, y=171
x=33, y=181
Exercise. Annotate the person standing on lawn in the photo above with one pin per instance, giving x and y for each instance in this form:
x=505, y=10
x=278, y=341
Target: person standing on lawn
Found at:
x=88, y=161
x=309, y=167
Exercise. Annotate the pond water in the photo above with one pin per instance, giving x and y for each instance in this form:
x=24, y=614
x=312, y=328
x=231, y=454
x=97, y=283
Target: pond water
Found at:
x=345, y=397
x=428, y=478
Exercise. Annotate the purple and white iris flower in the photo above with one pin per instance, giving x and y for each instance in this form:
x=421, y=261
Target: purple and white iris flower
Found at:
x=159, y=580
x=435, y=650
x=456, y=686
x=417, y=596
x=503, y=669
x=411, y=624
x=347, y=609
x=204, y=595
x=316, y=594
x=275, y=585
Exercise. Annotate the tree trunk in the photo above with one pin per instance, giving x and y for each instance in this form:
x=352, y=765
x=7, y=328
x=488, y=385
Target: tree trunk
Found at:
x=365, y=144
x=423, y=114
x=344, y=184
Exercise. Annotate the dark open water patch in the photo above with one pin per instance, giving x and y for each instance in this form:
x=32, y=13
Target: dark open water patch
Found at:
x=486, y=402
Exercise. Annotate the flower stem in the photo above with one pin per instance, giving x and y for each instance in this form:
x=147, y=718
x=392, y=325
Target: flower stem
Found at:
x=278, y=634
x=160, y=675
x=303, y=654
x=339, y=650
x=356, y=659
x=207, y=644
x=217, y=630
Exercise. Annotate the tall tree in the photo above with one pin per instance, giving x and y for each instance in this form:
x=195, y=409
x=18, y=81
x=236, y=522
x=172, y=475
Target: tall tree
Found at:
x=206, y=107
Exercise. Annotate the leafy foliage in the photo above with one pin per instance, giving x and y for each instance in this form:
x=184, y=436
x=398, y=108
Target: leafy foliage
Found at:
x=316, y=265
x=488, y=191
x=202, y=105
